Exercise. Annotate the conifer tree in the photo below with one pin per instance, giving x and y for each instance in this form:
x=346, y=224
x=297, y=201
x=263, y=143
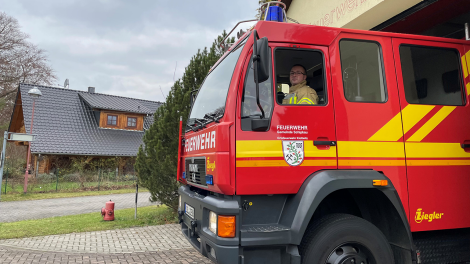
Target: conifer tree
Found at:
x=157, y=158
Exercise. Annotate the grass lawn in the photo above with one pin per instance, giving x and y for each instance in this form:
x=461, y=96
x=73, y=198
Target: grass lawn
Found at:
x=151, y=215
x=50, y=195
x=63, y=186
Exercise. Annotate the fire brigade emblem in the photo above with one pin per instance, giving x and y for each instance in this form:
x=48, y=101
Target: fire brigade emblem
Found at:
x=293, y=152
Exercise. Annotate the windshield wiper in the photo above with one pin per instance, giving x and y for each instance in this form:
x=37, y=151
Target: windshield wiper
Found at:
x=213, y=117
x=191, y=127
x=200, y=122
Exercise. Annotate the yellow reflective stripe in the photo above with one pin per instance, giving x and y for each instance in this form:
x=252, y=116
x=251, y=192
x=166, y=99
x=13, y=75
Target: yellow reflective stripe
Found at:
x=412, y=114
x=273, y=148
x=364, y=149
x=467, y=58
x=259, y=148
x=319, y=163
x=390, y=132
x=356, y=163
x=305, y=100
x=438, y=162
x=468, y=88
x=367, y=163
x=261, y=163
x=290, y=100
x=282, y=163
x=435, y=150
x=464, y=66
x=432, y=123
x=295, y=99
x=312, y=151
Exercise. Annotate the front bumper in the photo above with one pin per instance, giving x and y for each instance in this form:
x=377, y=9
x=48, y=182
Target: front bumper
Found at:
x=220, y=250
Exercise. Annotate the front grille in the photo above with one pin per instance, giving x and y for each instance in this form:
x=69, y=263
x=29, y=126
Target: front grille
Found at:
x=198, y=177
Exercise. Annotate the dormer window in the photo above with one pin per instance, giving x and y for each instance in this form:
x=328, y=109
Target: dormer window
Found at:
x=112, y=120
x=125, y=121
x=132, y=122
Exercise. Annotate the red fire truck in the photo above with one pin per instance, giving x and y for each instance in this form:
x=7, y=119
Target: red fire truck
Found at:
x=377, y=171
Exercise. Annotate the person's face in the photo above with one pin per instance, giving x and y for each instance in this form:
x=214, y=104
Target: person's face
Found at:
x=297, y=75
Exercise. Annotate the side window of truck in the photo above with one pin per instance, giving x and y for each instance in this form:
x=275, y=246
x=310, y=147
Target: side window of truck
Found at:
x=363, y=71
x=249, y=106
x=300, y=77
x=431, y=75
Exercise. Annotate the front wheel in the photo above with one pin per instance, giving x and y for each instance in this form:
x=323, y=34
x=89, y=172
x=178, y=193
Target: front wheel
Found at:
x=344, y=239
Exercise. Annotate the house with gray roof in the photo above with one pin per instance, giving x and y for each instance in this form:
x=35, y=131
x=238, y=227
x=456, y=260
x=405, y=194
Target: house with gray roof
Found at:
x=71, y=122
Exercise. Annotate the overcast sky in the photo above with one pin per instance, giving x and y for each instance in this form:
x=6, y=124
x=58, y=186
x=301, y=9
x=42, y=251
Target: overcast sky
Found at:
x=128, y=48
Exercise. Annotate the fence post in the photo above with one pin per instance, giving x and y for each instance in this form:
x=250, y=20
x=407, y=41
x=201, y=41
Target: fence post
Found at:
x=136, y=194
x=6, y=182
x=57, y=179
x=99, y=179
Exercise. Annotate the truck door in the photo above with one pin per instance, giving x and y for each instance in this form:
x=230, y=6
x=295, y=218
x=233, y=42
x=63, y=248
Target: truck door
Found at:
x=301, y=137
x=436, y=116
x=367, y=108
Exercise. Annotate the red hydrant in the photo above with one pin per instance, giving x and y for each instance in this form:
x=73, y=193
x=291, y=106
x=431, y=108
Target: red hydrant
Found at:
x=108, y=211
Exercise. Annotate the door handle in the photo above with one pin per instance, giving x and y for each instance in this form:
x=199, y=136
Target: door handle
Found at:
x=464, y=146
x=324, y=143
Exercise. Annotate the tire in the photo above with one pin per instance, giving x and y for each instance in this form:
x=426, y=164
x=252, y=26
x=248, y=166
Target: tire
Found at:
x=339, y=238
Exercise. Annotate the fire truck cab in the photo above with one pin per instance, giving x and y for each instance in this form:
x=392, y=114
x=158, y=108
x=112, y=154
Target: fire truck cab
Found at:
x=376, y=171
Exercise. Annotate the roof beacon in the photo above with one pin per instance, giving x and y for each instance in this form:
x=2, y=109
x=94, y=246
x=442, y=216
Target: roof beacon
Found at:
x=275, y=12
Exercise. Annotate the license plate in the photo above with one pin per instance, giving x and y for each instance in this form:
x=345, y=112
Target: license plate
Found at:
x=189, y=210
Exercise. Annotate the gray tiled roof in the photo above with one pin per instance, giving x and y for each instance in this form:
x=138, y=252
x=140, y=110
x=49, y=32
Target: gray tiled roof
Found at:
x=65, y=124
x=111, y=102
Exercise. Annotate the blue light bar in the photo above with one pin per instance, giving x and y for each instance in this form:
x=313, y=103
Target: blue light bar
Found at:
x=275, y=14
x=209, y=180
x=184, y=175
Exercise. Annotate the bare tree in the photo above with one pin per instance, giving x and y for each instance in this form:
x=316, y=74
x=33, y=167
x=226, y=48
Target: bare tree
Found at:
x=20, y=62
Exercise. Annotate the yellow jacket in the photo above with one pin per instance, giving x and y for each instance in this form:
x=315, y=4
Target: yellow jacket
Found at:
x=301, y=94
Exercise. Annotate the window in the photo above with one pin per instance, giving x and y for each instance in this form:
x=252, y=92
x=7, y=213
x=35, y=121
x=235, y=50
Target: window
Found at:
x=362, y=70
x=303, y=70
x=431, y=75
x=212, y=95
x=112, y=120
x=249, y=105
x=132, y=122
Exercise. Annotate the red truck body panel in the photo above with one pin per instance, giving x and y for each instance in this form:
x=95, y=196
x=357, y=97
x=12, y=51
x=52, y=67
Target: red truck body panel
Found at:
x=417, y=146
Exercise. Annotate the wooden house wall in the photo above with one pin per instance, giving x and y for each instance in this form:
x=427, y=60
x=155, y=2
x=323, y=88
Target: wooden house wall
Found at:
x=17, y=120
x=121, y=120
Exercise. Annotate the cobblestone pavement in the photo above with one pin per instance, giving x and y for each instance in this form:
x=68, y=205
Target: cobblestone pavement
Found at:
x=179, y=256
x=152, y=244
x=24, y=210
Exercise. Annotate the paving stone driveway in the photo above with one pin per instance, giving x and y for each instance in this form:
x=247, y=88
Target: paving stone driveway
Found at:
x=152, y=244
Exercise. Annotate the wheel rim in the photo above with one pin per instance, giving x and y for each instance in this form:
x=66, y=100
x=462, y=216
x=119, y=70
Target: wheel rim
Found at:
x=351, y=253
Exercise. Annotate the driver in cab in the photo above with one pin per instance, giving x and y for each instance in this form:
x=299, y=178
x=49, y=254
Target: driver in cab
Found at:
x=300, y=92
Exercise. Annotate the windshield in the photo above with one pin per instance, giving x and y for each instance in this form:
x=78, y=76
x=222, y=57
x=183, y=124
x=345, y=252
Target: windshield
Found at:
x=212, y=95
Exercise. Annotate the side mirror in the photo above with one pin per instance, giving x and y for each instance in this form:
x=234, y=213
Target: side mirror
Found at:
x=192, y=97
x=259, y=124
x=264, y=55
x=261, y=60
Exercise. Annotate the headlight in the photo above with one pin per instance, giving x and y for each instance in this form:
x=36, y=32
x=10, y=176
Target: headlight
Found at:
x=179, y=205
x=213, y=222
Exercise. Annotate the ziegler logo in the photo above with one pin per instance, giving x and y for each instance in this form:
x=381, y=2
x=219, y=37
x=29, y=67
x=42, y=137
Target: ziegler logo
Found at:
x=209, y=165
x=420, y=216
